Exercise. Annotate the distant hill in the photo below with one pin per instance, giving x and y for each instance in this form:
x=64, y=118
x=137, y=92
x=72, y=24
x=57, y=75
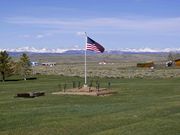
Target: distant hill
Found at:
x=80, y=52
x=55, y=52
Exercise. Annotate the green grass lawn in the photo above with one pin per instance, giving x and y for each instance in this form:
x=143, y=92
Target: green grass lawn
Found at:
x=141, y=107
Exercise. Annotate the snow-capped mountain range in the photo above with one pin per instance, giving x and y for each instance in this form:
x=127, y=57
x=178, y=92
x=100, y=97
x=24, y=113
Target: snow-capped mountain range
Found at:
x=58, y=50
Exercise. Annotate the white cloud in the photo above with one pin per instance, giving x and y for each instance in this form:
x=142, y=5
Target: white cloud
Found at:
x=25, y=36
x=80, y=33
x=144, y=24
x=76, y=47
x=100, y=25
x=35, y=36
x=39, y=36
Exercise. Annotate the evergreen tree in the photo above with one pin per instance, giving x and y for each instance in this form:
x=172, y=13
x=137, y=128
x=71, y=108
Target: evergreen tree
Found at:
x=24, y=66
x=5, y=64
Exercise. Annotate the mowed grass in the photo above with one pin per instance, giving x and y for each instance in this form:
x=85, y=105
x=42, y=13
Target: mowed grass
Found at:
x=141, y=107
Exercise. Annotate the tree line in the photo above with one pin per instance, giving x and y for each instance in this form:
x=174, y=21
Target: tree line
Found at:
x=9, y=67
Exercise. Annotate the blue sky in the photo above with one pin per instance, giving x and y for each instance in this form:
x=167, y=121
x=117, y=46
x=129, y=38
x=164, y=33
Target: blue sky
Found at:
x=115, y=24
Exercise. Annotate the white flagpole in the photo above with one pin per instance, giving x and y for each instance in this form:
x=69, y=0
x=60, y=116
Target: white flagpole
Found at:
x=85, y=65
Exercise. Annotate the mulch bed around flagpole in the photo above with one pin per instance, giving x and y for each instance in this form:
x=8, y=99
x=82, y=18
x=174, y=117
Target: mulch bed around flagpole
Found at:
x=87, y=91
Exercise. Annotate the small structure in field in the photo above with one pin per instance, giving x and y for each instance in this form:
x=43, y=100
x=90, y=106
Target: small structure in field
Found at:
x=34, y=63
x=30, y=94
x=146, y=64
x=51, y=64
x=177, y=62
x=102, y=63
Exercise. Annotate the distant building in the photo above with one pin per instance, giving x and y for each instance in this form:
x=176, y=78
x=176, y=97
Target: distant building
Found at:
x=146, y=64
x=102, y=63
x=34, y=63
x=177, y=62
x=51, y=64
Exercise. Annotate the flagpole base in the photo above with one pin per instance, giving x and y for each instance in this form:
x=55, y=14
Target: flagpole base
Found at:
x=85, y=86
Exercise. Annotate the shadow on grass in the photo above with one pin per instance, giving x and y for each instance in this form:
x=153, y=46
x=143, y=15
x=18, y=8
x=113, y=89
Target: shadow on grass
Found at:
x=14, y=80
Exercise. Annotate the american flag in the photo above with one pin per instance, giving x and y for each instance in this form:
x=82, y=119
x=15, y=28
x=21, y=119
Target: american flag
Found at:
x=94, y=46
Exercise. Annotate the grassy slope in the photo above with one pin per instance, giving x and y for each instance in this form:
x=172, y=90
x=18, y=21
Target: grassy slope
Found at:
x=142, y=107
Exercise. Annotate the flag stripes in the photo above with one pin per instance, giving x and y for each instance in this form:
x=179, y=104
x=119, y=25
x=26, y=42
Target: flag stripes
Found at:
x=94, y=46
x=91, y=47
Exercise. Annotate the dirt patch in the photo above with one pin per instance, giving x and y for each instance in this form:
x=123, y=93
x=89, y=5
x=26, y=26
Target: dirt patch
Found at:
x=87, y=91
